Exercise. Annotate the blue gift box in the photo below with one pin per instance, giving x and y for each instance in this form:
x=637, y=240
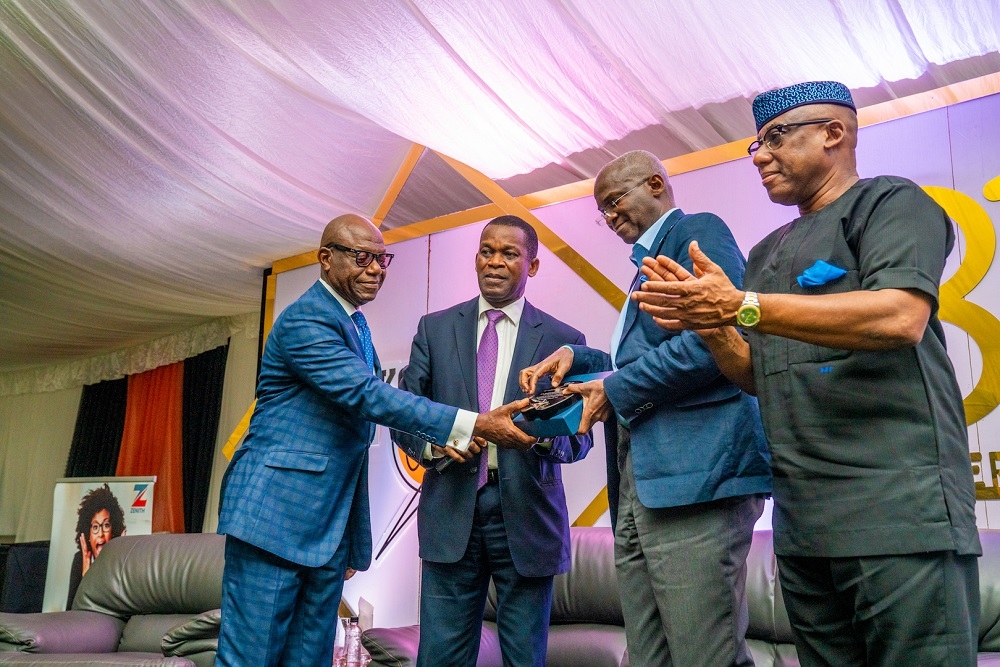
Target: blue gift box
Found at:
x=565, y=422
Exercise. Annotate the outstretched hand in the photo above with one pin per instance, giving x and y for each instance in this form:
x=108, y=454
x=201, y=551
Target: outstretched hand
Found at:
x=677, y=300
x=497, y=426
x=557, y=364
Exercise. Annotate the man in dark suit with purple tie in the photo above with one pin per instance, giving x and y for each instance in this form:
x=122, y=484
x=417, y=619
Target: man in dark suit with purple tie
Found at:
x=500, y=513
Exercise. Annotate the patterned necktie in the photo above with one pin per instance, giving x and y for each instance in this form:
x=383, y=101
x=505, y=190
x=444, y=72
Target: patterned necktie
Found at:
x=638, y=252
x=366, y=338
x=486, y=373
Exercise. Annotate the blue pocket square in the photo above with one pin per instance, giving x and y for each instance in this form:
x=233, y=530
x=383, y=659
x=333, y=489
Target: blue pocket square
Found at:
x=819, y=273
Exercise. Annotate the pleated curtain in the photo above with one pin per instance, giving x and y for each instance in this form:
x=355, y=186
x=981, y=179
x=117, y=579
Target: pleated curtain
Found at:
x=152, y=441
x=162, y=422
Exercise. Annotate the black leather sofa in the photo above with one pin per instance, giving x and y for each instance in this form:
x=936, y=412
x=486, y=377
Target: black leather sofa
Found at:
x=148, y=600
x=587, y=627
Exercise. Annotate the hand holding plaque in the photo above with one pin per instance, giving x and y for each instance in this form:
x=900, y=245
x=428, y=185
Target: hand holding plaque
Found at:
x=558, y=411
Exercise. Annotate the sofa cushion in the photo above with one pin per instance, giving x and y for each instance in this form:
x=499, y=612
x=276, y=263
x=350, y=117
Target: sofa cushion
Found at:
x=144, y=632
x=203, y=659
x=158, y=574
x=397, y=647
x=197, y=635
x=572, y=645
x=766, y=654
x=392, y=647
x=989, y=591
x=588, y=593
x=56, y=632
x=95, y=659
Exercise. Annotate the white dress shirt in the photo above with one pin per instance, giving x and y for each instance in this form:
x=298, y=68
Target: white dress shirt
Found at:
x=506, y=338
x=642, y=244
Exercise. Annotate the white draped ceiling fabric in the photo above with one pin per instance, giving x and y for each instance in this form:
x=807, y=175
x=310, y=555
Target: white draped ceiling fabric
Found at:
x=156, y=156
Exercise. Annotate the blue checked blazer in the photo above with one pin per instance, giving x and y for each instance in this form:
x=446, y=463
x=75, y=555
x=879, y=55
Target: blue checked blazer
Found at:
x=299, y=484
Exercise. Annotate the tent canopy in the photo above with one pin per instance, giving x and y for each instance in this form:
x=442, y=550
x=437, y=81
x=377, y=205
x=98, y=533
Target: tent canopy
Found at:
x=155, y=157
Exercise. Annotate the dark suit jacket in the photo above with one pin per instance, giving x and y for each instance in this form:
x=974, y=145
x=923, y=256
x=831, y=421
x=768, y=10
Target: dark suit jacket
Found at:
x=299, y=483
x=443, y=367
x=695, y=436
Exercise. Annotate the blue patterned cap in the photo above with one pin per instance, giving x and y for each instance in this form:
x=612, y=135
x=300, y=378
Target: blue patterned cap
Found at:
x=773, y=103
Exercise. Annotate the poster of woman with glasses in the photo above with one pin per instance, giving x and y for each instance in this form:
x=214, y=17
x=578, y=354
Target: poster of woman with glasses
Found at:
x=99, y=519
x=92, y=511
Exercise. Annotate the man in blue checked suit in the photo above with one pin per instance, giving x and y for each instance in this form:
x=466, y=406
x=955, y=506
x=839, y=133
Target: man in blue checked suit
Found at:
x=501, y=514
x=295, y=497
x=692, y=459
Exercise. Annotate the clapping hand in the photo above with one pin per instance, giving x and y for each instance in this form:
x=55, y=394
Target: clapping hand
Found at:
x=678, y=299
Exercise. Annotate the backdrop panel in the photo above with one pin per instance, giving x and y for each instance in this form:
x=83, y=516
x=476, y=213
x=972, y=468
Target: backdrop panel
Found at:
x=956, y=147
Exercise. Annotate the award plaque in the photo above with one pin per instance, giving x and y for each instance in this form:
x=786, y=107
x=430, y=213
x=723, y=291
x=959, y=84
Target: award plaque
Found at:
x=552, y=413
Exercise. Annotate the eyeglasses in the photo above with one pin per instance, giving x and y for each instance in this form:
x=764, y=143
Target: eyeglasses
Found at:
x=612, y=206
x=773, y=137
x=363, y=257
x=96, y=528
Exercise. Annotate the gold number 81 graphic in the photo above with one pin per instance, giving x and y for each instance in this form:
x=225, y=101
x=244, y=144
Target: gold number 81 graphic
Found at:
x=978, y=322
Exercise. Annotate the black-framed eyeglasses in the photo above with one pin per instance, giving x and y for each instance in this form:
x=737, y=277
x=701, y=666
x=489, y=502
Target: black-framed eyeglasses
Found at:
x=611, y=206
x=104, y=527
x=363, y=257
x=773, y=137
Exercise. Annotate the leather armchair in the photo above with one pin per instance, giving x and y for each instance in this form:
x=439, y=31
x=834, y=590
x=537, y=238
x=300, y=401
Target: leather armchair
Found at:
x=148, y=600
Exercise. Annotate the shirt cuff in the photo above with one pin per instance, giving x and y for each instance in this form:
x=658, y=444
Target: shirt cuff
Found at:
x=461, y=431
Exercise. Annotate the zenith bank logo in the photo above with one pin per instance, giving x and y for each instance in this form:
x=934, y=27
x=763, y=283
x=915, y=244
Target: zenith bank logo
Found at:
x=139, y=503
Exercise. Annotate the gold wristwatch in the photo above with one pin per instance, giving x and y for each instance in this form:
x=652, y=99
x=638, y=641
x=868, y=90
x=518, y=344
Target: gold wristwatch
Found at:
x=748, y=314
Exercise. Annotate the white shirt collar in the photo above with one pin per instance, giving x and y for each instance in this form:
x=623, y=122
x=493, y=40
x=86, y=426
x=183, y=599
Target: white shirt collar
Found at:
x=345, y=304
x=647, y=238
x=511, y=310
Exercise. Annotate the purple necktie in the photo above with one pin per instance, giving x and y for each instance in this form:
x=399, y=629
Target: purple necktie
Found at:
x=486, y=373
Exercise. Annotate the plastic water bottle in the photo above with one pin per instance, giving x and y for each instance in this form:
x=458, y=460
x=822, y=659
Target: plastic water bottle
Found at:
x=352, y=643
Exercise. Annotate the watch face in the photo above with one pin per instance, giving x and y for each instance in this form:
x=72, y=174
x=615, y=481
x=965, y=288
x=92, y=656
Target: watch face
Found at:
x=748, y=316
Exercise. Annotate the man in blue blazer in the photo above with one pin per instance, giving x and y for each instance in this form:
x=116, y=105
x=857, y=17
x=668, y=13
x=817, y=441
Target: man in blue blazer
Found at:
x=295, y=496
x=693, y=462
x=508, y=522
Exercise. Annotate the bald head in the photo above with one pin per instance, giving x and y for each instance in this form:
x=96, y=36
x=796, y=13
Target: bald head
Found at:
x=346, y=224
x=339, y=265
x=634, y=166
x=633, y=192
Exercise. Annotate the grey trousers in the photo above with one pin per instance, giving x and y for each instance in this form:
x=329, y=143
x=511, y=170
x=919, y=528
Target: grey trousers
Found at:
x=682, y=579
